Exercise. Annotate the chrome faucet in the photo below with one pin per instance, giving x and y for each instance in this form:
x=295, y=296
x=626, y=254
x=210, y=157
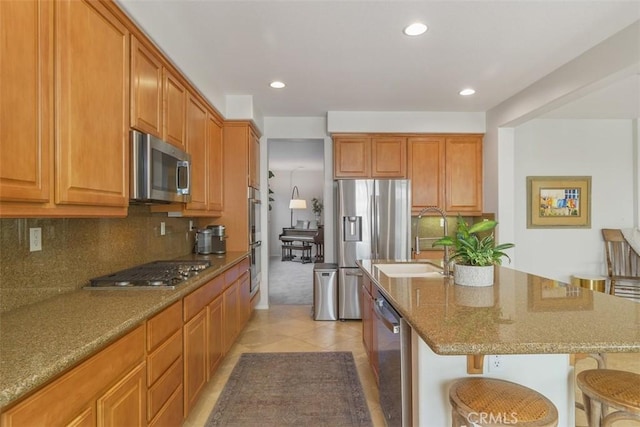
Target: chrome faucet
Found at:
x=446, y=233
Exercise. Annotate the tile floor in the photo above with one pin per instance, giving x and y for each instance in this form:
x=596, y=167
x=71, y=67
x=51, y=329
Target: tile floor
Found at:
x=290, y=328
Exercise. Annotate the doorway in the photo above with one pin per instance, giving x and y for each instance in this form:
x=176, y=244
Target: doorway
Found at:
x=296, y=170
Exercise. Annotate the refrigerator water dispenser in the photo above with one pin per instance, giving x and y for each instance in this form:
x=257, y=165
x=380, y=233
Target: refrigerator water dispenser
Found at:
x=352, y=226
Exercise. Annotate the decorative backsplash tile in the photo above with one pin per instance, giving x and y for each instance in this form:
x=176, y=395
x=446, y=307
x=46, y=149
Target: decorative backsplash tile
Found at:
x=76, y=250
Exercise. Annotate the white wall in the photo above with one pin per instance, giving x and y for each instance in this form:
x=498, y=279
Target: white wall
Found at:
x=602, y=149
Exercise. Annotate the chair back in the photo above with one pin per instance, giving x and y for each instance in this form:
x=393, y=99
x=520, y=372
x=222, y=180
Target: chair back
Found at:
x=623, y=264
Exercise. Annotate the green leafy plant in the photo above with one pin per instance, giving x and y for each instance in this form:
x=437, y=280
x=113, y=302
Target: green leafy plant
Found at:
x=271, y=199
x=470, y=249
x=316, y=206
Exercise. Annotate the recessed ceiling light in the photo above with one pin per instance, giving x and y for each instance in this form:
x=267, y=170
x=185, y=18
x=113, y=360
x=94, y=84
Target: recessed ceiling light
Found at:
x=467, y=92
x=277, y=85
x=415, y=29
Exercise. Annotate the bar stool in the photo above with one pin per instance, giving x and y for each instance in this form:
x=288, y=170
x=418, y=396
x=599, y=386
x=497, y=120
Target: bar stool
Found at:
x=492, y=402
x=609, y=388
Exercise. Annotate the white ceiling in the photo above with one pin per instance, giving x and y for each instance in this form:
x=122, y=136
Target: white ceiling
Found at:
x=351, y=55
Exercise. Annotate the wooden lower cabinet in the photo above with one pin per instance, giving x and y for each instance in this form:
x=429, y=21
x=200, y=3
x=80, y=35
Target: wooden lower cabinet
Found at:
x=215, y=319
x=231, y=306
x=102, y=389
x=369, y=332
x=126, y=402
x=195, y=359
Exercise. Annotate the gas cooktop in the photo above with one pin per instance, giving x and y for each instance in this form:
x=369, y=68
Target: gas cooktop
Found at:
x=153, y=275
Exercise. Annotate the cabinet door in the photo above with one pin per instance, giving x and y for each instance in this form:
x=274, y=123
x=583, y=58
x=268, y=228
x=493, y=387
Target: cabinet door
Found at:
x=125, y=403
x=351, y=157
x=216, y=166
x=389, y=157
x=175, y=110
x=426, y=170
x=26, y=110
x=464, y=174
x=195, y=359
x=92, y=99
x=215, y=320
x=231, y=305
x=146, y=89
x=254, y=160
x=245, y=299
x=197, y=147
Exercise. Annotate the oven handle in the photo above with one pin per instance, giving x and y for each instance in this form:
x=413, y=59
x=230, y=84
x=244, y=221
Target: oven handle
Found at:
x=393, y=327
x=256, y=244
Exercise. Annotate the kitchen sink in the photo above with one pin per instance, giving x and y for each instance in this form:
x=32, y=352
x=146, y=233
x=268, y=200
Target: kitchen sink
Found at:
x=410, y=269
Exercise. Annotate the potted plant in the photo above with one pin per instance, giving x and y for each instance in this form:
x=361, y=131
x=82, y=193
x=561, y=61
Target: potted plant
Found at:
x=474, y=256
x=316, y=208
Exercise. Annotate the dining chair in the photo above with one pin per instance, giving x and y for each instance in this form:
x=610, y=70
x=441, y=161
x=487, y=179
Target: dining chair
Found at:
x=623, y=265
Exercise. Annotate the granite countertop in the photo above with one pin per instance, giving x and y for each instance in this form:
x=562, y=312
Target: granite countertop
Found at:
x=42, y=340
x=520, y=314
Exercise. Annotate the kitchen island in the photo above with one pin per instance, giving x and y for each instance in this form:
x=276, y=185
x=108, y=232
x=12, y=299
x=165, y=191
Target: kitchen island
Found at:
x=40, y=341
x=535, y=324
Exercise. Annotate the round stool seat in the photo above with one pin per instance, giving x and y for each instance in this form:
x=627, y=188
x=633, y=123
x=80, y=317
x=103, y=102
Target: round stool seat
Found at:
x=612, y=388
x=493, y=402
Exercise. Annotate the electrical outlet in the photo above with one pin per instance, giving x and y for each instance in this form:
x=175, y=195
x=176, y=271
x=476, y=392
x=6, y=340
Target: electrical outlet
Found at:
x=162, y=229
x=441, y=222
x=190, y=225
x=496, y=363
x=35, y=239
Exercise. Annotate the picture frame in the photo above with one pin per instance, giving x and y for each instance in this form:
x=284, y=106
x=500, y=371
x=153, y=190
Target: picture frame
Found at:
x=558, y=202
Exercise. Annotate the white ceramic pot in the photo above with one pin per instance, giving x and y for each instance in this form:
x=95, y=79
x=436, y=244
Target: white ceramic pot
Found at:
x=470, y=275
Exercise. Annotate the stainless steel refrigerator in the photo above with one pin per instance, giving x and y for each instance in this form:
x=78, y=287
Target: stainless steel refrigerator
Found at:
x=373, y=217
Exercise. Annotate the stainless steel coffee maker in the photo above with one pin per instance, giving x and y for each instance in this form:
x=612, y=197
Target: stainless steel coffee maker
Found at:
x=211, y=240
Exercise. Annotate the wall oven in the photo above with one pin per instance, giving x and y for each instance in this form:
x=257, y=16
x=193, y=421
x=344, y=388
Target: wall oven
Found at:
x=255, y=239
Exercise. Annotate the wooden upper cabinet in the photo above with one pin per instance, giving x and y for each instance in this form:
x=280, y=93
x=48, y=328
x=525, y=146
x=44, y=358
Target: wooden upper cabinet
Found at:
x=92, y=100
x=351, y=157
x=197, y=147
x=366, y=156
x=426, y=170
x=146, y=89
x=26, y=110
x=388, y=157
x=175, y=106
x=254, y=160
x=464, y=174
x=215, y=156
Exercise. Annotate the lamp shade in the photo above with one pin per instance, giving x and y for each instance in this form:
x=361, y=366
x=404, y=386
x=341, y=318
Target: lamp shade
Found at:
x=298, y=204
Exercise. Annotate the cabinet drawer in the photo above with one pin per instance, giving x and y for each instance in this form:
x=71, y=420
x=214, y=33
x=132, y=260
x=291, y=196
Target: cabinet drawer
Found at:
x=163, y=325
x=244, y=265
x=201, y=297
x=232, y=274
x=160, y=392
x=171, y=413
x=161, y=359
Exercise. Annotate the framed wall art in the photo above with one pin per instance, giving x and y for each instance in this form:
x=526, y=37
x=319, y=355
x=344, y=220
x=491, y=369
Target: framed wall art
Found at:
x=558, y=202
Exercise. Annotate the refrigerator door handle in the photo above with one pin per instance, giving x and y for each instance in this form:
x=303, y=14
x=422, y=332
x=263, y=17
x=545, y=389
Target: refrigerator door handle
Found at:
x=358, y=272
x=374, y=226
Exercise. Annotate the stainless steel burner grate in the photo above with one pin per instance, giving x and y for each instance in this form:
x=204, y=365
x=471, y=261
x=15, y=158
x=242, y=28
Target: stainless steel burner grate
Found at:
x=157, y=274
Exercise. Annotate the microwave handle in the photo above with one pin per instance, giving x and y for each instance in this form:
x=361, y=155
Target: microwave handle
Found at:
x=187, y=165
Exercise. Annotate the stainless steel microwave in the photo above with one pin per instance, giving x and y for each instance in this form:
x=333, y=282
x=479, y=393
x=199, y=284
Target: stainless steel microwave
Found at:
x=160, y=172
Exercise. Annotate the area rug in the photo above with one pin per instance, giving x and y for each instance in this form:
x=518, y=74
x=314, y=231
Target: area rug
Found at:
x=292, y=389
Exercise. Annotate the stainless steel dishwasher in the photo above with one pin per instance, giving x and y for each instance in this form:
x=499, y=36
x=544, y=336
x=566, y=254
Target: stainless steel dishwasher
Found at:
x=394, y=364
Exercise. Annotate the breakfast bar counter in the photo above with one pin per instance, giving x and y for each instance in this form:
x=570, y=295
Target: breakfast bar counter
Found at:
x=533, y=324
x=520, y=314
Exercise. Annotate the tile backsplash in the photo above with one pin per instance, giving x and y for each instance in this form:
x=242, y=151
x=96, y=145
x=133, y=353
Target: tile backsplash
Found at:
x=76, y=250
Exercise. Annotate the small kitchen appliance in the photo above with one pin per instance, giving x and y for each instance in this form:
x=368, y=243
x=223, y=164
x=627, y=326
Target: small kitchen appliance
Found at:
x=153, y=275
x=203, y=241
x=218, y=239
